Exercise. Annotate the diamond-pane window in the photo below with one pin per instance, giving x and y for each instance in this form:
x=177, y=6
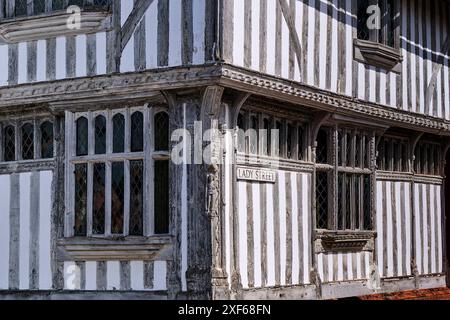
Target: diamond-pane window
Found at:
x=82, y=136
x=367, y=203
x=47, y=140
x=39, y=6
x=100, y=135
x=98, y=201
x=21, y=8
x=28, y=141
x=9, y=143
x=322, y=199
x=136, y=198
x=118, y=133
x=117, y=198
x=161, y=131
x=378, y=29
x=137, y=132
x=80, y=200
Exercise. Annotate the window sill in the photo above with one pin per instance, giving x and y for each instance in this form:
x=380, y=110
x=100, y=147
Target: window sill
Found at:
x=111, y=249
x=344, y=241
x=378, y=55
x=52, y=25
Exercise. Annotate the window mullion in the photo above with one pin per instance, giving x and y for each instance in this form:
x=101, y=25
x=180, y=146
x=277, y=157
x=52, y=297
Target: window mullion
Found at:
x=18, y=140
x=109, y=133
x=37, y=139
x=30, y=7
x=91, y=134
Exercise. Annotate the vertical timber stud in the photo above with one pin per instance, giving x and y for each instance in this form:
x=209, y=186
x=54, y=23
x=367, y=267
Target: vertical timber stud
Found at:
x=414, y=140
x=174, y=287
x=211, y=183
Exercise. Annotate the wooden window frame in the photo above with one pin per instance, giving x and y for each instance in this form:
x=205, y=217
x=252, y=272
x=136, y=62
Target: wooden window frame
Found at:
x=335, y=167
x=148, y=156
x=19, y=162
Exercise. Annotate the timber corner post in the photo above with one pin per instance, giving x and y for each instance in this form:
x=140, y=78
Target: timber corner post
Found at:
x=211, y=183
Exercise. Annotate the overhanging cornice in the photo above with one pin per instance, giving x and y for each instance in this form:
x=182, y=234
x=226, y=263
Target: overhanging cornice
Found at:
x=131, y=86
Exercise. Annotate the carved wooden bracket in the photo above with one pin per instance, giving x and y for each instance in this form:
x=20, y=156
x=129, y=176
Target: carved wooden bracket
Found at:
x=237, y=105
x=318, y=121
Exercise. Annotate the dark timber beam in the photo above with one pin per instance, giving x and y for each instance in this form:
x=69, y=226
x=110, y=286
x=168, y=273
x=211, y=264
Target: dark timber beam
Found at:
x=436, y=70
x=139, y=9
x=293, y=34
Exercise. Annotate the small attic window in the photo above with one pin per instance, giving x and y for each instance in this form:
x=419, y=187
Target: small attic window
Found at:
x=43, y=19
x=378, y=33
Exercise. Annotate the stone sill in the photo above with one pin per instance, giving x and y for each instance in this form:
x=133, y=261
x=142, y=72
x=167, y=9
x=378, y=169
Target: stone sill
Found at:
x=52, y=25
x=115, y=249
x=378, y=55
x=344, y=241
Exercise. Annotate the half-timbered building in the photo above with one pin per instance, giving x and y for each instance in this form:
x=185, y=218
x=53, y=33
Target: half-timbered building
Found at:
x=223, y=149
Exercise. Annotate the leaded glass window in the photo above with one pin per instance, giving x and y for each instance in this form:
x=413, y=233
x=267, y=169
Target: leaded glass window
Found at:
x=113, y=195
x=137, y=132
x=80, y=200
x=100, y=135
x=82, y=136
x=161, y=187
x=28, y=141
x=378, y=28
x=118, y=133
x=98, y=201
x=9, y=144
x=117, y=197
x=136, y=198
x=344, y=179
x=161, y=131
x=47, y=140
